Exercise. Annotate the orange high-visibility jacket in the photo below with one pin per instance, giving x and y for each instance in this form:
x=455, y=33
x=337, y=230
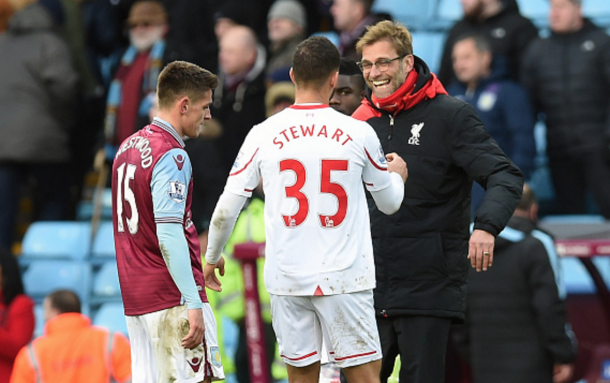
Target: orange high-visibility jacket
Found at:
x=74, y=351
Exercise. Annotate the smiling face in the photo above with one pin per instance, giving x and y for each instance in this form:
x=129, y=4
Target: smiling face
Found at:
x=385, y=83
x=196, y=113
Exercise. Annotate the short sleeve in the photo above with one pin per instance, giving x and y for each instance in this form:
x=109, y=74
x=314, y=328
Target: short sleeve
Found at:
x=169, y=186
x=375, y=175
x=245, y=173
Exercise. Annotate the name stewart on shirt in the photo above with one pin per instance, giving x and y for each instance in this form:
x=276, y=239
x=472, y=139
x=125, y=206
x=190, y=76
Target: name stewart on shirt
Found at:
x=294, y=133
x=141, y=144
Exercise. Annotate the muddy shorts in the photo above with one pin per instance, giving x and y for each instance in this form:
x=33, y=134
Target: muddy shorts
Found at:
x=345, y=322
x=157, y=354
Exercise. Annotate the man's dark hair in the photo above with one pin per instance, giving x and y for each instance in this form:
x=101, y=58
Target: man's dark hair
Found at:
x=181, y=78
x=64, y=301
x=349, y=67
x=480, y=42
x=314, y=61
x=11, y=277
x=528, y=199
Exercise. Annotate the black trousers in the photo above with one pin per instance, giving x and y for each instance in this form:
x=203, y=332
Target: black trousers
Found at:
x=421, y=342
x=572, y=177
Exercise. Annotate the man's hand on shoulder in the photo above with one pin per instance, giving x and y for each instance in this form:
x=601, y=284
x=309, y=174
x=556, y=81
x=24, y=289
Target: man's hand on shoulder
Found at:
x=481, y=249
x=209, y=275
x=397, y=165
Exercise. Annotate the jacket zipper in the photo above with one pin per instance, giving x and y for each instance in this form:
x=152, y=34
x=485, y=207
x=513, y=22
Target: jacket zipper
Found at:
x=391, y=127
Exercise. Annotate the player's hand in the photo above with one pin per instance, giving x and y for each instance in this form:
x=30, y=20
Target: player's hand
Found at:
x=397, y=165
x=209, y=275
x=562, y=373
x=481, y=250
x=196, y=329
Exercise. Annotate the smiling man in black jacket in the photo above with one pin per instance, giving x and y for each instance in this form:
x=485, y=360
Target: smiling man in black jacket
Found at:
x=422, y=251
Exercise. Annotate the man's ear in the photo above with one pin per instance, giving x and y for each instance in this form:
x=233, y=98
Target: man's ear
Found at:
x=291, y=73
x=184, y=105
x=333, y=80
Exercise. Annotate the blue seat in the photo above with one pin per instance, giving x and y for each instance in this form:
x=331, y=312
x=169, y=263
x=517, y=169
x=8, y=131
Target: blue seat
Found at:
x=535, y=10
x=56, y=239
x=111, y=316
x=575, y=276
x=448, y=12
x=103, y=243
x=45, y=276
x=332, y=36
x=415, y=14
x=106, y=285
x=598, y=10
x=84, y=210
x=429, y=47
x=39, y=317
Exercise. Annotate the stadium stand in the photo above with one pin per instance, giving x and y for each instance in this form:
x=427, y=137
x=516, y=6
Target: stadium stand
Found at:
x=415, y=14
x=44, y=276
x=429, y=47
x=106, y=286
x=57, y=240
x=103, y=243
x=111, y=316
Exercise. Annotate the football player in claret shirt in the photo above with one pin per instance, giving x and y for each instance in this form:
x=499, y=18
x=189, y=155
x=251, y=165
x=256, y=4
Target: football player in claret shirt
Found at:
x=319, y=266
x=170, y=322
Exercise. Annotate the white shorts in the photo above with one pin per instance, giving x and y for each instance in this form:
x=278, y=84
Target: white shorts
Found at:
x=157, y=354
x=345, y=322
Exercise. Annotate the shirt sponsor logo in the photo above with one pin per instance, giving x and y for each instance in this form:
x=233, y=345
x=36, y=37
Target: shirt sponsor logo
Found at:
x=415, y=133
x=179, y=160
x=177, y=191
x=487, y=101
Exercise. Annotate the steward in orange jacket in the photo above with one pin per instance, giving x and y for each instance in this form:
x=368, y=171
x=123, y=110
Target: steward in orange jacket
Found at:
x=72, y=350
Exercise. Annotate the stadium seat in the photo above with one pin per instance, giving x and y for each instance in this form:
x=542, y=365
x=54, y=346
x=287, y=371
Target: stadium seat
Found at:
x=103, y=243
x=598, y=10
x=84, y=210
x=415, y=14
x=575, y=276
x=56, y=239
x=535, y=10
x=448, y=12
x=45, y=276
x=429, y=47
x=106, y=284
x=332, y=36
x=111, y=316
x=39, y=317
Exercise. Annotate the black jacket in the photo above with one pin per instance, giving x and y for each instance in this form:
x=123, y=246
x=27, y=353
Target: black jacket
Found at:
x=516, y=326
x=508, y=33
x=421, y=250
x=568, y=77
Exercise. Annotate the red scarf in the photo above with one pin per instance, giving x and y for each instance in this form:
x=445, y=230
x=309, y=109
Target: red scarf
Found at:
x=402, y=98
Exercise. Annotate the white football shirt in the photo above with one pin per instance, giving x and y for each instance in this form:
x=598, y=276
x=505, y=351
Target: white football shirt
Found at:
x=313, y=161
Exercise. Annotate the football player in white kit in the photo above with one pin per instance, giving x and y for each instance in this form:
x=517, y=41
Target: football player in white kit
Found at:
x=319, y=267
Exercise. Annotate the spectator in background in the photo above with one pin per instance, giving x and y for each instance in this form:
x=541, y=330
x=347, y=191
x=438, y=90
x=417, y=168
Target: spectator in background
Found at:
x=500, y=22
x=37, y=94
x=16, y=314
x=568, y=77
x=239, y=99
x=72, y=351
x=502, y=104
x=420, y=252
x=349, y=91
x=516, y=326
x=6, y=11
x=279, y=97
x=351, y=17
x=287, y=23
x=127, y=104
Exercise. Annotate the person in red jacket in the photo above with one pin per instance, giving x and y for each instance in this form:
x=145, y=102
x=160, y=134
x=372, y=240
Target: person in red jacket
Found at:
x=72, y=351
x=16, y=314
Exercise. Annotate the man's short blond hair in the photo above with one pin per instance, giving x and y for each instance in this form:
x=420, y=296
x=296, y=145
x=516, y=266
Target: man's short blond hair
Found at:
x=391, y=31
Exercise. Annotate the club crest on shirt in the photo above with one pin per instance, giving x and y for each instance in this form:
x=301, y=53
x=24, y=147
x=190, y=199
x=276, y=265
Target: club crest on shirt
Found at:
x=215, y=356
x=381, y=155
x=177, y=191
